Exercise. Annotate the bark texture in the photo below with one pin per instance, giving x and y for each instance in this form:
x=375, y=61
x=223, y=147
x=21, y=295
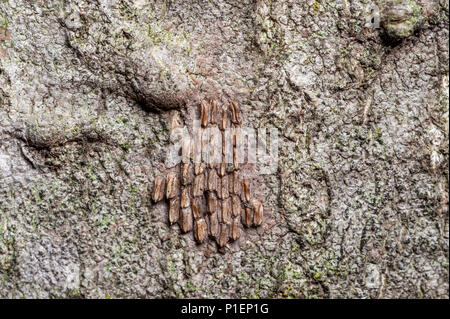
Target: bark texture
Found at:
x=358, y=207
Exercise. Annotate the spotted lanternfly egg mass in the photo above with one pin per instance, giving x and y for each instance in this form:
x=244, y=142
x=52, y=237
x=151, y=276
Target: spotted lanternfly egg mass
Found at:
x=211, y=199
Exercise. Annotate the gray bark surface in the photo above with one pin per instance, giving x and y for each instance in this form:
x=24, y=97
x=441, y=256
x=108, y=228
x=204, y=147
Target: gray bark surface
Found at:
x=358, y=207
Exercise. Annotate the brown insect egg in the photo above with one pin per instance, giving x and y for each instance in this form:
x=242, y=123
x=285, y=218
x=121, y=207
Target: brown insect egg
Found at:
x=236, y=206
x=197, y=148
x=237, y=183
x=172, y=185
x=235, y=230
x=247, y=219
x=219, y=188
x=214, y=109
x=187, y=174
x=158, y=189
x=223, y=168
x=197, y=208
x=224, y=144
x=235, y=159
x=235, y=113
x=227, y=147
x=225, y=121
x=237, y=137
x=204, y=113
x=224, y=235
x=211, y=203
x=213, y=225
x=198, y=186
x=212, y=179
x=200, y=230
x=224, y=187
x=206, y=136
x=186, y=150
x=226, y=211
x=186, y=220
x=246, y=190
x=215, y=148
x=185, y=197
x=174, y=210
x=257, y=213
x=230, y=183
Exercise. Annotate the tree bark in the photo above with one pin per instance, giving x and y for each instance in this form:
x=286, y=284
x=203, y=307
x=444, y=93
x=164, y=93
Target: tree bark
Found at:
x=357, y=206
